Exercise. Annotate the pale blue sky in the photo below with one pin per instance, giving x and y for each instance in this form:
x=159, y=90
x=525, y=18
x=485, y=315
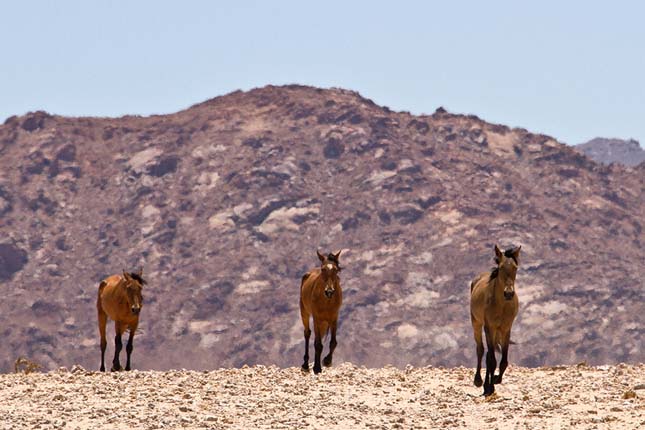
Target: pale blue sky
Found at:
x=574, y=70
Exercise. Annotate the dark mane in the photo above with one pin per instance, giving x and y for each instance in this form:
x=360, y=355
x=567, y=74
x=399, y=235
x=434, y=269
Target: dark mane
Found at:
x=138, y=278
x=508, y=254
x=331, y=257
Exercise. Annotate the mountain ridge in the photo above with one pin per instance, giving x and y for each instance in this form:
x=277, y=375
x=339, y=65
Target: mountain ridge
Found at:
x=607, y=151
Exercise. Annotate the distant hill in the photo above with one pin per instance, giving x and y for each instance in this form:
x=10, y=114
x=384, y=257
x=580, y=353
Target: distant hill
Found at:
x=225, y=204
x=607, y=151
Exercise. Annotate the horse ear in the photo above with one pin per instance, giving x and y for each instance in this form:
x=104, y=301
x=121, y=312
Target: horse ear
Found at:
x=320, y=256
x=498, y=253
x=126, y=275
x=141, y=272
x=516, y=253
x=337, y=254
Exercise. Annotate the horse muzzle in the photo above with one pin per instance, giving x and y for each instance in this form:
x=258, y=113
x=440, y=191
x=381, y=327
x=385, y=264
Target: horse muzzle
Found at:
x=135, y=311
x=329, y=293
x=508, y=295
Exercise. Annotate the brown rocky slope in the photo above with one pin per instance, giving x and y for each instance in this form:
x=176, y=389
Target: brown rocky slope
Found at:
x=225, y=203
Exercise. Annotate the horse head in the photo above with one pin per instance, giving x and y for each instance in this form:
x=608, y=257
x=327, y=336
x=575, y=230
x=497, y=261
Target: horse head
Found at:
x=329, y=268
x=507, y=263
x=134, y=283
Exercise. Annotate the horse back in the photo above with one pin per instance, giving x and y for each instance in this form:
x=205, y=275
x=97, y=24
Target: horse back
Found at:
x=110, y=282
x=307, y=283
x=481, y=279
x=478, y=296
x=111, y=300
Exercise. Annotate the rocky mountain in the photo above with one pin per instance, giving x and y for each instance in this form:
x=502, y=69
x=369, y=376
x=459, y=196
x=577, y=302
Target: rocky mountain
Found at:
x=224, y=205
x=607, y=151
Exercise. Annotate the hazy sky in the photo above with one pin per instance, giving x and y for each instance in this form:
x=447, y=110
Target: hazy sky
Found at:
x=571, y=69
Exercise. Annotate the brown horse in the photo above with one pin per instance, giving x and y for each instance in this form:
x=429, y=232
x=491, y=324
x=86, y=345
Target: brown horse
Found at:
x=120, y=299
x=493, y=306
x=321, y=297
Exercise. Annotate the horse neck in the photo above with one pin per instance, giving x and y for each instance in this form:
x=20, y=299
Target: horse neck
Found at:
x=498, y=287
x=120, y=290
x=335, y=279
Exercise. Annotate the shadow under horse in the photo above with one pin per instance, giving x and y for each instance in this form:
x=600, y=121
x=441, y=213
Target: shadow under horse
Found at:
x=320, y=298
x=120, y=299
x=493, y=307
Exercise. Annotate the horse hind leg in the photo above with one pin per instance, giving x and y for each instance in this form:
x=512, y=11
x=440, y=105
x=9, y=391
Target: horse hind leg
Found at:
x=497, y=379
x=332, y=345
x=102, y=317
x=477, y=330
x=307, y=332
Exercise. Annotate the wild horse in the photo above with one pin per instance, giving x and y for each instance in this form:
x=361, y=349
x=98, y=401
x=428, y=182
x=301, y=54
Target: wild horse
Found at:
x=321, y=297
x=494, y=306
x=120, y=299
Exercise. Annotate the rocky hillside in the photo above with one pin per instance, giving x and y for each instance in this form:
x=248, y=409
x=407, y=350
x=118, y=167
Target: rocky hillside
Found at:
x=224, y=204
x=607, y=151
x=346, y=397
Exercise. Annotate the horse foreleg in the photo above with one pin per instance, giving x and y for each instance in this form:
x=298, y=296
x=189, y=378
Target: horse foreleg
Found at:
x=130, y=346
x=332, y=345
x=318, y=346
x=118, y=345
x=491, y=362
x=102, y=324
x=504, y=361
x=477, y=330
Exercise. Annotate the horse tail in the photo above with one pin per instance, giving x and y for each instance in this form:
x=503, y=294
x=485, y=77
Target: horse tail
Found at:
x=98, y=298
x=498, y=344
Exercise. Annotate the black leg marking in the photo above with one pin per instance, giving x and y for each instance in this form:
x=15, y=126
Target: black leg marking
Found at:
x=491, y=363
x=332, y=346
x=128, y=349
x=305, y=364
x=480, y=354
x=318, y=346
x=116, y=365
x=103, y=347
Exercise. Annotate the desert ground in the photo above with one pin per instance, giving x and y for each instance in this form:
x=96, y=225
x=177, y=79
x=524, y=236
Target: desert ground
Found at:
x=343, y=397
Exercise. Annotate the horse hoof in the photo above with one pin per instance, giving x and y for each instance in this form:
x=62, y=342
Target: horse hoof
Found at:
x=497, y=379
x=478, y=381
x=116, y=369
x=327, y=362
x=489, y=391
x=102, y=369
x=305, y=368
x=317, y=370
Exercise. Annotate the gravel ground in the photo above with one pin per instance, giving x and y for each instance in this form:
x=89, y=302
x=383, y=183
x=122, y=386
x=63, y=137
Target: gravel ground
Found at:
x=344, y=397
